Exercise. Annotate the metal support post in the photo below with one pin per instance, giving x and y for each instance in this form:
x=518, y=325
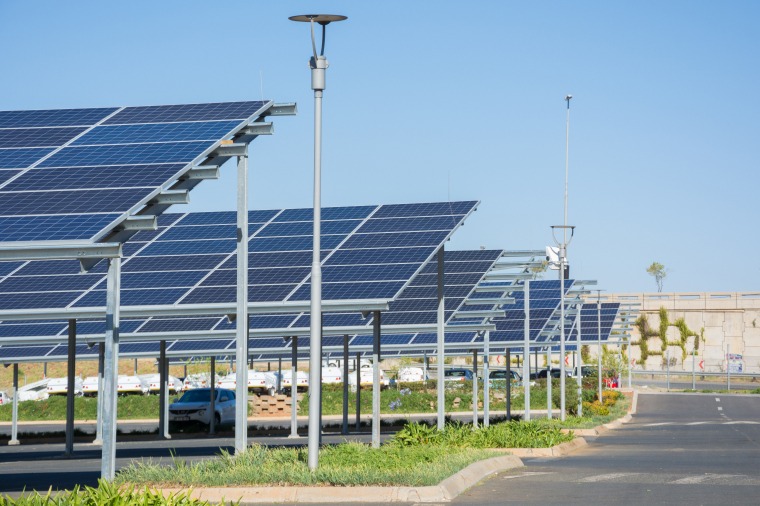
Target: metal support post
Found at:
x=212, y=395
x=474, y=389
x=579, y=362
x=163, y=383
x=693, y=370
x=279, y=376
x=728, y=368
x=562, y=407
x=376, y=381
x=440, y=351
x=599, y=345
x=111, y=369
x=318, y=68
x=526, y=351
x=667, y=358
x=508, y=357
x=486, y=386
x=99, y=423
x=293, y=388
x=549, y=414
x=357, y=367
x=344, y=429
x=241, y=320
x=71, y=372
x=14, y=410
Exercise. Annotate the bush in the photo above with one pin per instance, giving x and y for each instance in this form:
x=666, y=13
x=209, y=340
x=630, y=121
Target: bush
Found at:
x=595, y=409
x=105, y=494
x=502, y=435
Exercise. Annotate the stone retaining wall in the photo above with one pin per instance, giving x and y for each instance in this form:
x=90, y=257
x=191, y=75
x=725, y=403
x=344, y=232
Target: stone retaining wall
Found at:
x=725, y=320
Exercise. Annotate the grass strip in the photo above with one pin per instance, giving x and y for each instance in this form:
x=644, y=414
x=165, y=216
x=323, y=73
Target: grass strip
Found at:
x=348, y=464
x=418, y=455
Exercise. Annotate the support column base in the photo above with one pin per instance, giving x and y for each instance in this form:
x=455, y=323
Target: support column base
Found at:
x=14, y=442
x=294, y=436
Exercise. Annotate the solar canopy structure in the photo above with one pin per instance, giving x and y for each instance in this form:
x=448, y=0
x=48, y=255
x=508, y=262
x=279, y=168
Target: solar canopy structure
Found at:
x=369, y=254
x=82, y=174
x=213, y=335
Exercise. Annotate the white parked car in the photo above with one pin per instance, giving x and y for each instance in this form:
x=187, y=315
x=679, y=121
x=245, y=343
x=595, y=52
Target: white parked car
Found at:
x=411, y=375
x=60, y=386
x=33, y=391
x=200, y=380
x=302, y=381
x=90, y=385
x=332, y=375
x=367, y=378
x=131, y=385
x=195, y=406
x=154, y=383
x=256, y=381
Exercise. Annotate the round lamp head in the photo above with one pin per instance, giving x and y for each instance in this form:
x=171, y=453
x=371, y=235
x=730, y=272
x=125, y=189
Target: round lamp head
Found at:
x=322, y=19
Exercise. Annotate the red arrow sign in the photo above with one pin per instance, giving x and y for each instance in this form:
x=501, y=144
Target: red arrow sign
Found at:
x=633, y=361
x=567, y=360
x=701, y=364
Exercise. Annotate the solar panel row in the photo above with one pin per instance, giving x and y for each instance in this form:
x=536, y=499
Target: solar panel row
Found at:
x=73, y=174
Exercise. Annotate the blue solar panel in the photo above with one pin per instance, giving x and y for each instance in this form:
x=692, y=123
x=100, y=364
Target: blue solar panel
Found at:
x=114, y=158
x=185, y=112
x=37, y=137
x=53, y=117
x=20, y=158
x=156, y=132
x=103, y=176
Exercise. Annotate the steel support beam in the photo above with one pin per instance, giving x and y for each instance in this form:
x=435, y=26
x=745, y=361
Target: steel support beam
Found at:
x=70, y=386
x=376, y=326
x=241, y=328
x=440, y=351
x=344, y=429
x=111, y=370
x=526, y=351
x=293, y=388
x=14, y=411
x=212, y=395
x=486, y=385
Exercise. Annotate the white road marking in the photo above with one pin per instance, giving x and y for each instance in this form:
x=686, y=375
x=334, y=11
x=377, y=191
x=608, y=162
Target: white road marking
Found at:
x=606, y=477
x=719, y=408
x=657, y=424
x=697, y=423
x=524, y=474
x=689, y=480
x=742, y=422
x=717, y=399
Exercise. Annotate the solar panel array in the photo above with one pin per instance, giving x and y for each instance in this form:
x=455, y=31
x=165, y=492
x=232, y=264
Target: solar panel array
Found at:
x=545, y=297
x=589, y=322
x=417, y=304
x=368, y=252
x=74, y=174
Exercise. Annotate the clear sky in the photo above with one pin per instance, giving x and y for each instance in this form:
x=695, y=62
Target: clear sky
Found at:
x=431, y=101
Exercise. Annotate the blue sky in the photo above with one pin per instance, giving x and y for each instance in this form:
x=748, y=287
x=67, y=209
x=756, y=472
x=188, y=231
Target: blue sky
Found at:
x=430, y=101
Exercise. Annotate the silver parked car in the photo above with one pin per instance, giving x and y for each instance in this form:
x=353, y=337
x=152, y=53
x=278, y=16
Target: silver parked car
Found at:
x=195, y=406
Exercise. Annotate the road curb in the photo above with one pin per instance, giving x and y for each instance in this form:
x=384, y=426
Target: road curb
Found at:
x=553, y=451
x=448, y=489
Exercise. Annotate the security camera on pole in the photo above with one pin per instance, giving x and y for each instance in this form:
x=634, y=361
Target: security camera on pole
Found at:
x=563, y=270
x=318, y=65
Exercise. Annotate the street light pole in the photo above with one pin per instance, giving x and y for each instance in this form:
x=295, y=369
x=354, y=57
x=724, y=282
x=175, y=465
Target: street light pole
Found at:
x=318, y=65
x=599, y=343
x=562, y=258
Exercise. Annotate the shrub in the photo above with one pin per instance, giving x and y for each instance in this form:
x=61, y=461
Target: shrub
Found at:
x=105, y=494
x=596, y=409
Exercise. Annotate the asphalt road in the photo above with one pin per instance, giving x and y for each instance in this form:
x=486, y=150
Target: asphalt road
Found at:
x=706, y=441
x=679, y=449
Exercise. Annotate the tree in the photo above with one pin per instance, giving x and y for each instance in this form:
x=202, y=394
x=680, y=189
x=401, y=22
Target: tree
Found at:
x=658, y=271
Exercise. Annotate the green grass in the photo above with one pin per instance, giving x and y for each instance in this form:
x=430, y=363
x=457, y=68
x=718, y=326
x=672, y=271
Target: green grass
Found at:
x=105, y=494
x=417, y=455
x=348, y=464
x=130, y=407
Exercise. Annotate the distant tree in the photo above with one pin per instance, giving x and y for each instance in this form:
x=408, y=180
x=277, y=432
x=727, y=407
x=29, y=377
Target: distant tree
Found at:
x=658, y=272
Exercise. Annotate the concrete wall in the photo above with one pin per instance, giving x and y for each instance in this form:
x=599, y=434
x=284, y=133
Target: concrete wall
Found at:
x=731, y=321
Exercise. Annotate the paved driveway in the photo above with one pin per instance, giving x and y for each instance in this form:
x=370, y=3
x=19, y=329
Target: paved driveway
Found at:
x=679, y=449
